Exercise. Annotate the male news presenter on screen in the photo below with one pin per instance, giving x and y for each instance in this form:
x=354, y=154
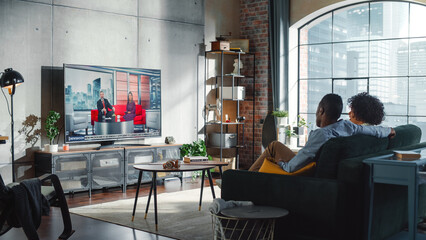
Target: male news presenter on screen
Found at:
x=103, y=108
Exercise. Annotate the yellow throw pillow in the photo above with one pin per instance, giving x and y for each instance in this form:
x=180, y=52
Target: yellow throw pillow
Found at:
x=270, y=167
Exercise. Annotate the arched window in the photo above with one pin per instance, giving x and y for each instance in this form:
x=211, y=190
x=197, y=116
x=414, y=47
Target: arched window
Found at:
x=377, y=47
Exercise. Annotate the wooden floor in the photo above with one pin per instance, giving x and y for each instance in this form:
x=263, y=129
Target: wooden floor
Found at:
x=87, y=228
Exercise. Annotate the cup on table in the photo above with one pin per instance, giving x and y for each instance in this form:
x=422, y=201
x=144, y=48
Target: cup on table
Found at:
x=66, y=147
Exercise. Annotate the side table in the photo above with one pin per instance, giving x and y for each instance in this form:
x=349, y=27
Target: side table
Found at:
x=248, y=222
x=384, y=170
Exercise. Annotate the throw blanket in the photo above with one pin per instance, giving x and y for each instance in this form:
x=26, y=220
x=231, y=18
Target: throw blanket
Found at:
x=219, y=204
x=27, y=207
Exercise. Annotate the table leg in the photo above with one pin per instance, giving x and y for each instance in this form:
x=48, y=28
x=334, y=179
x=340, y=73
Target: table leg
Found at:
x=154, y=182
x=370, y=202
x=202, y=185
x=137, y=194
x=149, y=199
x=220, y=170
x=209, y=174
x=412, y=206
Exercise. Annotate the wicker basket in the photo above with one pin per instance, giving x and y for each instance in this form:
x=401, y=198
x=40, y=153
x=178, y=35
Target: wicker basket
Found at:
x=225, y=228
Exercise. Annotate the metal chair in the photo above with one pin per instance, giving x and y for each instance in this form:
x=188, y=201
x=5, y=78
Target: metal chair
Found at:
x=55, y=196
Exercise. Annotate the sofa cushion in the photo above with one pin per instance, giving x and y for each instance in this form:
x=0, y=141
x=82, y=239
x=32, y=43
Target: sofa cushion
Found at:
x=405, y=135
x=270, y=167
x=346, y=147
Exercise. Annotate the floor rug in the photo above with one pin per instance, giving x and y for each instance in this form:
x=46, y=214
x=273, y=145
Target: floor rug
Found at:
x=178, y=215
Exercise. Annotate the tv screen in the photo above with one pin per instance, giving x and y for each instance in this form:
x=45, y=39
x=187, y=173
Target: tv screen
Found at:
x=111, y=103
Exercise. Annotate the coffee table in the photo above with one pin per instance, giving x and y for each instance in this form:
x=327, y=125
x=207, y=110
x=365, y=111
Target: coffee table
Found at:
x=105, y=128
x=201, y=163
x=155, y=168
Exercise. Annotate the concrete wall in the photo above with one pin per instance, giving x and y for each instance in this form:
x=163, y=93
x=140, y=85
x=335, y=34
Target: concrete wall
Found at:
x=161, y=34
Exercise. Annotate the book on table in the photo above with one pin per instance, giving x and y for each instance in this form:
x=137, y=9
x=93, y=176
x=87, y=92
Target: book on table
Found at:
x=195, y=159
x=407, y=155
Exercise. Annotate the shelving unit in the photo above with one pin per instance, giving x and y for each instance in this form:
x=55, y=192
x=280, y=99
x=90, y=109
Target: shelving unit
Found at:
x=228, y=80
x=89, y=169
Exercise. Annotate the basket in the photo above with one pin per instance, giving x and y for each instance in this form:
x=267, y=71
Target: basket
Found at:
x=225, y=228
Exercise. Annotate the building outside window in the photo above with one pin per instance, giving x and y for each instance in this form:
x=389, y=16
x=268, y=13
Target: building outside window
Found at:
x=377, y=47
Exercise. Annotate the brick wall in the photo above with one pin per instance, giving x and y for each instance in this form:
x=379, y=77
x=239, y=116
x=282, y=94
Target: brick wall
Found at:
x=254, y=20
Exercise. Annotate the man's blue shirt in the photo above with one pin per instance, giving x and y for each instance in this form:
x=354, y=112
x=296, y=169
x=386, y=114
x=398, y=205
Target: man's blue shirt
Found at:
x=318, y=137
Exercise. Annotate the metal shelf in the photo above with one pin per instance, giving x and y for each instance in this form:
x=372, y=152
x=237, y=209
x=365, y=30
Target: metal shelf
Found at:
x=227, y=52
x=238, y=146
x=236, y=78
x=225, y=123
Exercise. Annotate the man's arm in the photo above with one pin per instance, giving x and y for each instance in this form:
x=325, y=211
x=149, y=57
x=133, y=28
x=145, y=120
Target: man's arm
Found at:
x=108, y=105
x=307, y=153
x=376, y=131
x=99, y=106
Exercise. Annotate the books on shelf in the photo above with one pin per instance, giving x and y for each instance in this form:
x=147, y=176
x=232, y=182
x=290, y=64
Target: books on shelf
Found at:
x=195, y=159
x=407, y=155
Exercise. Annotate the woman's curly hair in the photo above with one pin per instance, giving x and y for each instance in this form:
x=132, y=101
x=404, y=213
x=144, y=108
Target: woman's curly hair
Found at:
x=367, y=108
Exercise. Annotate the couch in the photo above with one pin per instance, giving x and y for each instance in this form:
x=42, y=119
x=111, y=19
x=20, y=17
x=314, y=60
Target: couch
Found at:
x=140, y=118
x=331, y=204
x=76, y=120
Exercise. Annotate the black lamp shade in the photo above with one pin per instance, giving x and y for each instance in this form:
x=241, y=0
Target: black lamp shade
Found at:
x=10, y=77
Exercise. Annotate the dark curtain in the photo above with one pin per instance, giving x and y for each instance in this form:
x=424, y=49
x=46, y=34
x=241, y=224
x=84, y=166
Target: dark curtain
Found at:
x=279, y=23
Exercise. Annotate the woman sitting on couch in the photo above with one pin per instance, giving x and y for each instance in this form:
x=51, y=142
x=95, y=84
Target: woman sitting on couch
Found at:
x=130, y=108
x=327, y=115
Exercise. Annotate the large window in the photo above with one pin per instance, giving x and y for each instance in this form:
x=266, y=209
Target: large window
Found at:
x=376, y=47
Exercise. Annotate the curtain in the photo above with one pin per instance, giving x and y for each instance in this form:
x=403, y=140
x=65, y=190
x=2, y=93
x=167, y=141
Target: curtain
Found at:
x=279, y=23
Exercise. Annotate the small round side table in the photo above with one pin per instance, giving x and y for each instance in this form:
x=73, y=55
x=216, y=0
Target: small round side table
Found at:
x=249, y=222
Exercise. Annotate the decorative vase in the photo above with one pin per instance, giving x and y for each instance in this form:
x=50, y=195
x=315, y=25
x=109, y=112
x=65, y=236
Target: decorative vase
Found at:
x=282, y=121
x=53, y=148
x=287, y=141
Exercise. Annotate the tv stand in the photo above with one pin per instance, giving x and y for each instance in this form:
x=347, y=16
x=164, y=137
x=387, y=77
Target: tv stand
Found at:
x=104, y=146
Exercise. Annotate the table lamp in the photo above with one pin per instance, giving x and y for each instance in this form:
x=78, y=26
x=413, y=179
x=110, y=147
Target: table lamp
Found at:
x=10, y=79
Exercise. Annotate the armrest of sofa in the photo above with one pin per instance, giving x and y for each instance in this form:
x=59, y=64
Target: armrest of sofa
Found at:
x=312, y=202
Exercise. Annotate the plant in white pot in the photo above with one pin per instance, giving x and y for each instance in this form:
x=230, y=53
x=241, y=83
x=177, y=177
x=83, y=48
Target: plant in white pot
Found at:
x=282, y=116
x=289, y=133
x=52, y=130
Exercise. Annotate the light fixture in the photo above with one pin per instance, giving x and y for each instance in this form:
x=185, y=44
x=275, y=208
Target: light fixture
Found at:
x=10, y=80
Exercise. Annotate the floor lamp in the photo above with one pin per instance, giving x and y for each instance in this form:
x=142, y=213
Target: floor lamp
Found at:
x=10, y=79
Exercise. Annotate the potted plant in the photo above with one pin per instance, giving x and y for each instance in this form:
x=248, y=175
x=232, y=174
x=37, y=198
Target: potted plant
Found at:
x=281, y=115
x=289, y=133
x=28, y=129
x=301, y=125
x=31, y=133
x=52, y=130
x=196, y=148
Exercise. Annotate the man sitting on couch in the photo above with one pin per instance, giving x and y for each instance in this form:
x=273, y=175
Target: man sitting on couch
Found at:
x=103, y=106
x=327, y=115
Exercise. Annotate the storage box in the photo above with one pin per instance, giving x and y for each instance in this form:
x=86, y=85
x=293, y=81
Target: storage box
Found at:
x=239, y=93
x=230, y=160
x=228, y=140
x=220, y=45
x=242, y=44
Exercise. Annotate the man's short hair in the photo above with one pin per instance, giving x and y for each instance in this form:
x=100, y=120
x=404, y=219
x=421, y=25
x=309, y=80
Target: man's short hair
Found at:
x=367, y=108
x=332, y=105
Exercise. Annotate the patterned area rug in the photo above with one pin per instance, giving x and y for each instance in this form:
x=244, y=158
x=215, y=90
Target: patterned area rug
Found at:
x=178, y=215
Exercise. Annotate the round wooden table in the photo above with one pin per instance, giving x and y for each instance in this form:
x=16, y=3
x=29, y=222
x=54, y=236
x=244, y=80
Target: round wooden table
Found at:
x=200, y=163
x=155, y=168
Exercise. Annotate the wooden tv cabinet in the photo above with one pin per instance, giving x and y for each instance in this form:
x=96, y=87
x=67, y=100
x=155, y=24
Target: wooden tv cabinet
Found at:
x=89, y=168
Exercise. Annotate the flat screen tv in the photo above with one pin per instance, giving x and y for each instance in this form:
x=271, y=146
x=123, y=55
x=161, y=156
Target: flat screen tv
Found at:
x=111, y=103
